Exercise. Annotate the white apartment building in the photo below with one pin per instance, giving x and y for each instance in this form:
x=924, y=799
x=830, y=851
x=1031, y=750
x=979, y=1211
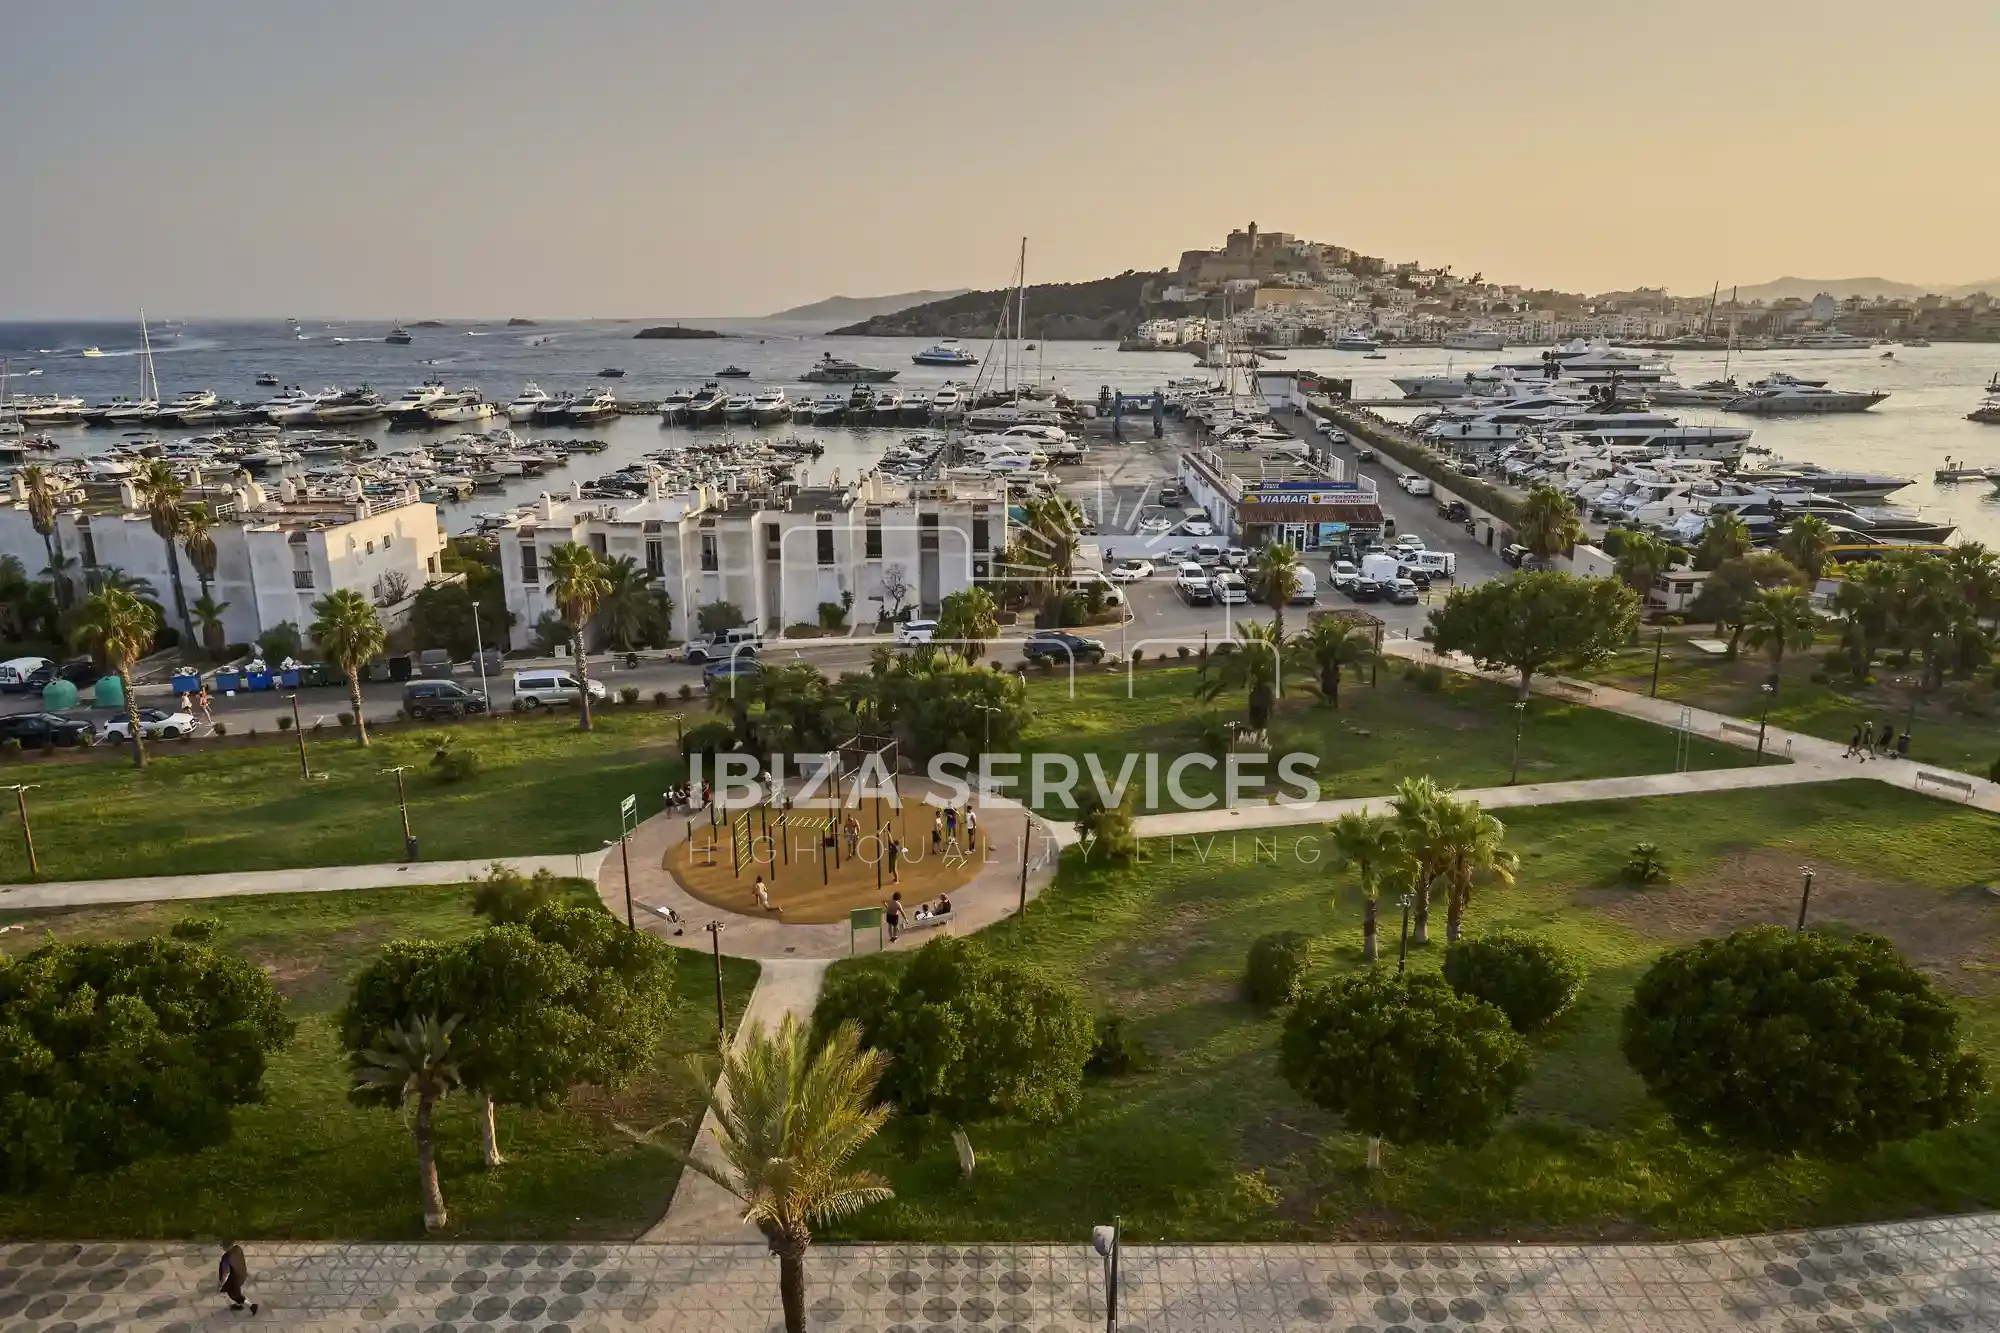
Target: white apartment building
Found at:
x=273, y=558
x=890, y=544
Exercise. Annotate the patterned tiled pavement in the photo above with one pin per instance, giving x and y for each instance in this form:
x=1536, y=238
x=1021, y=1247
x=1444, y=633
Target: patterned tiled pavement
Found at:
x=1939, y=1275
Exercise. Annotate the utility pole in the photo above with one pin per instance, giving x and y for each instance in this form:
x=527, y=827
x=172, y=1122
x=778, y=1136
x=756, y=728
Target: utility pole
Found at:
x=1027, y=836
x=299, y=729
x=479, y=655
x=714, y=929
x=21, y=791
x=403, y=805
x=1520, y=717
x=1403, y=949
x=1659, y=646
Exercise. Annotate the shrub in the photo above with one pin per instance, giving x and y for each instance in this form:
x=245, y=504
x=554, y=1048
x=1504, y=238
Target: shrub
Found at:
x=222, y=728
x=1183, y=652
x=1117, y=1050
x=507, y=897
x=628, y=694
x=1784, y=1042
x=345, y=719
x=686, y=691
x=1107, y=828
x=1277, y=966
x=1527, y=978
x=284, y=722
x=832, y=616
x=195, y=929
x=1426, y=676
x=251, y=731
x=659, y=698
x=11, y=749
x=1645, y=865
x=1137, y=653
x=451, y=763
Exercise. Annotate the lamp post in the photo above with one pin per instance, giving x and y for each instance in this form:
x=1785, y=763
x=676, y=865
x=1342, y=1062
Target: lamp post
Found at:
x=403, y=806
x=986, y=726
x=1659, y=645
x=21, y=791
x=299, y=730
x=1408, y=901
x=1520, y=718
x=1105, y=1240
x=479, y=656
x=1805, y=896
x=714, y=929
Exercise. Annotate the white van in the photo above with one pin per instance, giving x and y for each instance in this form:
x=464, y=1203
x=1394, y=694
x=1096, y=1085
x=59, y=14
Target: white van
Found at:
x=1307, y=591
x=1436, y=564
x=1230, y=590
x=14, y=672
x=554, y=688
x=1113, y=594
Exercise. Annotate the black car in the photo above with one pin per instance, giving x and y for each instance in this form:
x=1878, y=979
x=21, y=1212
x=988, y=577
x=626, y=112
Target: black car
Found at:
x=38, y=731
x=77, y=671
x=1063, y=646
x=1454, y=511
x=440, y=698
x=1365, y=590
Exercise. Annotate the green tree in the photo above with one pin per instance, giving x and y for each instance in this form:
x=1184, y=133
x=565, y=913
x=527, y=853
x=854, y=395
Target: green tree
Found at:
x=441, y=614
x=1277, y=966
x=198, y=540
x=347, y=630
x=1805, y=543
x=936, y=704
x=1778, y=619
x=1329, y=646
x=1533, y=621
x=280, y=641
x=1276, y=577
x=1549, y=524
x=1368, y=844
x=1734, y=584
x=1725, y=537
x=1642, y=558
x=1863, y=601
x=966, y=621
x=1254, y=665
x=635, y=612
x=1106, y=830
x=1976, y=570
x=207, y=613
x=1471, y=845
x=1402, y=1057
x=117, y=629
x=40, y=485
x=714, y=618
x=1420, y=837
x=1530, y=979
x=1792, y=1041
x=505, y=896
x=791, y=1114
x=160, y=491
x=577, y=584
x=1049, y=538
x=415, y=1061
x=114, y=1052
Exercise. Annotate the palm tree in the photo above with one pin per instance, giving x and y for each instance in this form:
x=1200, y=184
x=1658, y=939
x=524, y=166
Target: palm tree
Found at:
x=14, y=590
x=1725, y=537
x=630, y=605
x=417, y=1062
x=347, y=630
x=1865, y=599
x=1977, y=572
x=1417, y=803
x=1471, y=844
x=1276, y=578
x=1642, y=559
x=966, y=621
x=207, y=613
x=578, y=584
x=161, y=491
x=1806, y=542
x=1328, y=646
x=1549, y=524
x=1049, y=544
x=118, y=629
x=108, y=577
x=1778, y=619
x=41, y=488
x=1254, y=665
x=199, y=543
x=1367, y=843
x=789, y=1118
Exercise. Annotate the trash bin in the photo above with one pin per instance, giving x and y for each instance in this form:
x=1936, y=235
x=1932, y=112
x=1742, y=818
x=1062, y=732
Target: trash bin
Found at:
x=399, y=668
x=109, y=692
x=60, y=694
x=258, y=680
x=409, y=849
x=290, y=678
x=228, y=680
x=187, y=682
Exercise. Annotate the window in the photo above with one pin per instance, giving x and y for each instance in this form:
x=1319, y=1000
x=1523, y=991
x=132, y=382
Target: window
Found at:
x=597, y=543
x=531, y=568
x=825, y=536
x=656, y=559
x=773, y=541
x=979, y=534
x=371, y=548
x=711, y=559
x=302, y=578
x=387, y=541
x=874, y=541
x=927, y=532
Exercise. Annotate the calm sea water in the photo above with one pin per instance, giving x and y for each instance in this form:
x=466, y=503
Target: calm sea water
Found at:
x=1921, y=424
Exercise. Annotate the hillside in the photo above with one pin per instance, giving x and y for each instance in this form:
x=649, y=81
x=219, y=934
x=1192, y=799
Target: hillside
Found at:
x=864, y=307
x=1104, y=308
x=1804, y=289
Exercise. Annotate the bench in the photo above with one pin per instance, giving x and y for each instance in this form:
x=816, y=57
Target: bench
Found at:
x=913, y=923
x=1963, y=785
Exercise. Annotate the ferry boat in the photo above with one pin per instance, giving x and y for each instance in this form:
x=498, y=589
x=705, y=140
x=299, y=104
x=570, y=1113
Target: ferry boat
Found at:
x=945, y=352
x=831, y=369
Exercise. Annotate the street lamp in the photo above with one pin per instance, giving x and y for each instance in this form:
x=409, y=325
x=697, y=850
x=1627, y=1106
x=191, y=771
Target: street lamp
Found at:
x=1805, y=896
x=479, y=655
x=714, y=929
x=1520, y=717
x=1105, y=1241
x=986, y=726
x=1408, y=901
x=403, y=805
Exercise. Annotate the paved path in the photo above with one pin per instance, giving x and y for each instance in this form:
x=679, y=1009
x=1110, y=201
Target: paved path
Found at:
x=1942, y=1274
x=167, y=888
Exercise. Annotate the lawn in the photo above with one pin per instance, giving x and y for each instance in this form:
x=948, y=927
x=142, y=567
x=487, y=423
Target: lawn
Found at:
x=305, y=1164
x=1457, y=728
x=1211, y=1145
x=542, y=787
x=1959, y=727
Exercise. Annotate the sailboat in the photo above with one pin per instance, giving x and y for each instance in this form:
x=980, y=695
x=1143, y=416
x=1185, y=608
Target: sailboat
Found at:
x=147, y=405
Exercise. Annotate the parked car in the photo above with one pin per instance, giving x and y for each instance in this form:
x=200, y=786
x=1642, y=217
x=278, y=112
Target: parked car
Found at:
x=1157, y=526
x=1365, y=589
x=1191, y=583
x=445, y=698
x=916, y=631
x=15, y=671
x=1208, y=556
x=1404, y=592
x=1198, y=527
x=729, y=672
x=1364, y=455
x=154, y=724
x=1170, y=495
x=1344, y=574
x=1131, y=571
x=743, y=641
x=1453, y=511
x=1236, y=557
x=1061, y=645
x=1230, y=589
x=77, y=671
x=536, y=689
x=1513, y=554
x=38, y=731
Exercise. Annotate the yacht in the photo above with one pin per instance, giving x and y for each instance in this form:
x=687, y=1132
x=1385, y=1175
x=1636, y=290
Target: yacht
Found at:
x=1713, y=393
x=1829, y=340
x=888, y=408
x=344, y=405
x=267, y=380
x=947, y=404
x=1474, y=340
x=286, y=400
x=1851, y=485
x=705, y=407
x=594, y=407
x=193, y=407
x=1656, y=432
x=121, y=411
x=830, y=369
x=413, y=407
x=737, y=407
x=828, y=408
x=1590, y=362
x=527, y=402
x=732, y=372
x=945, y=352
x=860, y=408
x=464, y=405
x=1799, y=399
x=1354, y=342
x=674, y=406
x=802, y=409
x=1433, y=387
x=553, y=410
x=93, y=351
x=769, y=406
x=916, y=407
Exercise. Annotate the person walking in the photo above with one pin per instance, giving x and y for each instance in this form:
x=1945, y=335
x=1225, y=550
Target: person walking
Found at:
x=895, y=850
x=763, y=895
x=1854, y=746
x=232, y=1273
x=895, y=916
x=1888, y=738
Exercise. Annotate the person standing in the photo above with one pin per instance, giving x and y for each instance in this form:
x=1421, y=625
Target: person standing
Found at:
x=895, y=916
x=971, y=829
x=937, y=831
x=232, y=1273
x=895, y=850
x=1888, y=738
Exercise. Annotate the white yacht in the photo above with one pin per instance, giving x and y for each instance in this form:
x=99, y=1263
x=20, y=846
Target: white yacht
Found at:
x=916, y=407
x=888, y=407
x=285, y=402
x=1790, y=397
x=1829, y=340
x=346, y=405
x=947, y=404
x=527, y=402
x=1474, y=340
x=674, y=406
x=601, y=405
x=737, y=407
x=1430, y=388
x=770, y=405
x=463, y=405
x=1591, y=362
x=829, y=408
x=415, y=404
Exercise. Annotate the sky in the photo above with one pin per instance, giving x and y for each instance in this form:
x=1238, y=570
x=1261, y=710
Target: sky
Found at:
x=486, y=158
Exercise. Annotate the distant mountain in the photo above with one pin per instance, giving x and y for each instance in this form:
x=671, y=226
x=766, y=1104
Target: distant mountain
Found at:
x=1804, y=289
x=1105, y=308
x=864, y=307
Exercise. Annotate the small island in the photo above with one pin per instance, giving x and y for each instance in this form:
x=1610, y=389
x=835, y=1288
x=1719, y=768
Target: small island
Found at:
x=520, y=323
x=675, y=331
x=430, y=324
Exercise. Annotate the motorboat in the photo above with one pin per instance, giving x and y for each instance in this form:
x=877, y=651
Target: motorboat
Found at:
x=414, y=405
x=737, y=407
x=674, y=406
x=93, y=351
x=732, y=372
x=192, y=407
x=830, y=369
x=1355, y=342
x=916, y=407
x=888, y=408
x=769, y=406
x=611, y=373
x=1433, y=387
x=594, y=407
x=705, y=407
x=947, y=404
x=1829, y=340
x=554, y=410
x=1851, y=485
x=802, y=409
x=121, y=412
x=1713, y=393
x=1798, y=399
x=828, y=408
x=860, y=409
x=1474, y=340
x=945, y=352
x=267, y=380
x=1589, y=362
x=344, y=405
x=461, y=406
x=399, y=336
x=526, y=403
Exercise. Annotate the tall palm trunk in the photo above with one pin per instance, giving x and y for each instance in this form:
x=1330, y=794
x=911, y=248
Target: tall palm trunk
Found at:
x=582, y=661
x=1329, y=686
x=59, y=579
x=354, y=697
x=427, y=1172
x=1454, y=916
x=1374, y=1152
x=132, y=719
x=489, y=1133
x=1420, y=930
x=1368, y=930
x=791, y=1252
x=180, y=592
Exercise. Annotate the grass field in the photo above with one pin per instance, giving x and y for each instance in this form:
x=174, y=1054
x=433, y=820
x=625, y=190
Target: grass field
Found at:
x=1462, y=732
x=1212, y=1145
x=306, y=1164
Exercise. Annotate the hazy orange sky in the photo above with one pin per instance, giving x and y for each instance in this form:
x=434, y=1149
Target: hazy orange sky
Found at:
x=493, y=157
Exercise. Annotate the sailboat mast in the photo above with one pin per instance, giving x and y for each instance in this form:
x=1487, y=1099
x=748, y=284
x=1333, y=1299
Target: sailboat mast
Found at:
x=148, y=378
x=1021, y=317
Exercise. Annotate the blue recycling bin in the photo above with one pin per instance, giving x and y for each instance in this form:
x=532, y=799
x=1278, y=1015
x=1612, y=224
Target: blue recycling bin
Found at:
x=258, y=680
x=187, y=682
x=289, y=678
x=228, y=679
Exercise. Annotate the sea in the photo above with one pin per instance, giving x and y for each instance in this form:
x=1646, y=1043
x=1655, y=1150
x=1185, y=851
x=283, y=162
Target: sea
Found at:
x=1919, y=427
